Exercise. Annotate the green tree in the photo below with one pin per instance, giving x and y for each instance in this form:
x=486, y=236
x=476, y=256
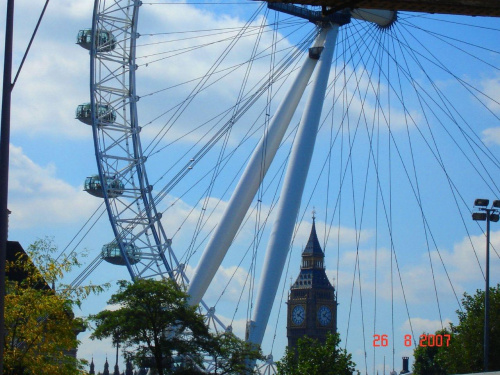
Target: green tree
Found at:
x=41, y=328
x=464, y=354
x=231, y=355
x=429, y=360
x=312, y=357
x=154, y=321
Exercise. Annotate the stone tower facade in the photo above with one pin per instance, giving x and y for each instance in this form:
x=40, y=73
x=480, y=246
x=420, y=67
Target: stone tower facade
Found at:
x=312, y=304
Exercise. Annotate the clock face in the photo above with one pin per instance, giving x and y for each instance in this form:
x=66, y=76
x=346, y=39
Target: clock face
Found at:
x=324, y=315
x=298, y=315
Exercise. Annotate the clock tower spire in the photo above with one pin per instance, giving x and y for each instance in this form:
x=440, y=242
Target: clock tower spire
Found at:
x=312, y=305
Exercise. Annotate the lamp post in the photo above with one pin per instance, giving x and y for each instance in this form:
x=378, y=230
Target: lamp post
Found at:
x=4, y=164
x=488, y=215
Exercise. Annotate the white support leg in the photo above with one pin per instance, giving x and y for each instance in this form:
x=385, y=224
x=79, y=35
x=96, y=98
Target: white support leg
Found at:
x=291, y=194
x=249, y=183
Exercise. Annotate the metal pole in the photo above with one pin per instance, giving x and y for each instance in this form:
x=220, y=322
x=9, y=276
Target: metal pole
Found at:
x=291, y=193
x=487, y=295
x=4, y=165
x=249, y=183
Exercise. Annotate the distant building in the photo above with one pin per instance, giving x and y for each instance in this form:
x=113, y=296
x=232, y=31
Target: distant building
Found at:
x=312, y=304
x=406, y=366
x=129, y=369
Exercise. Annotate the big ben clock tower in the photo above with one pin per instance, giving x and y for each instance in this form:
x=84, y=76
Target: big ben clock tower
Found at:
x=312, y=307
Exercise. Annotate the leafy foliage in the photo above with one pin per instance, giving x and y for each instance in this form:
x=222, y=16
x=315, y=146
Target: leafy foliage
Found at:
x=40, y=325
x=313, y=357
x=429, y=360
x=231, y=354
x=154, y=321
x=465, y=352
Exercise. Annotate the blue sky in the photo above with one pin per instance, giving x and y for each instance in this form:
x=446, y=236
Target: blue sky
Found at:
x=448, y=80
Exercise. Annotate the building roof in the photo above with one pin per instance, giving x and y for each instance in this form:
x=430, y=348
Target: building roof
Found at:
x=461, y=7
x=313, y=248
x=312, y=275
x=14, y=252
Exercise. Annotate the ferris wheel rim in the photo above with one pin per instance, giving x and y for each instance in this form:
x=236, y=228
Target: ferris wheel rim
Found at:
x=161, y=246
x=148, y=207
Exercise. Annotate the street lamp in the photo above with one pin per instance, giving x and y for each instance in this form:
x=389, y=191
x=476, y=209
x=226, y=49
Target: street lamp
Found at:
x=488, y=215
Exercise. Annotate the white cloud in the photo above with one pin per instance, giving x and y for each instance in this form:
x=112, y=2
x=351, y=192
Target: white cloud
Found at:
x=421, y=325
x=37, y=197
x=462, y=268
x=491, y=136
x=461, y=262
x=490, y=88
x=47, y=93
x=367, y=100
x=344, y=234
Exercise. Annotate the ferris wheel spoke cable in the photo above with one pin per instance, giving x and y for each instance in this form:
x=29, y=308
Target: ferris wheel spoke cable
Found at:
x=250, y=101
x=424, y=138
x=478, y=143
x=345, y=116
x=370, y=137
x=453, y=190
x=207, y=121
x=350, y=141
x=181, y=174
x=443, y=98
x=287, y=60
x=449, y=41
x=225, y=141
x=80, y=230
x=434, y=60
x=387, y=122
x=376, y=120
x=370, y=134
x=338, y=96
x=413, y=189
x=250, y=32
x=175, y=116
x=358, y=228
x=245, y=138
x=234, y=178
x=235, y=175
x=390, y=232
x=436, y=151
x=331, y=87
x=428, y=17
x=415, y=176
x=86, y=272
x=286, y=20
x=181, y=51
x=258, y=236
x=300, y=46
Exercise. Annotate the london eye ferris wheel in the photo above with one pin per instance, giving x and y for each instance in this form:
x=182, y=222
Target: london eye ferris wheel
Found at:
x=211, y=119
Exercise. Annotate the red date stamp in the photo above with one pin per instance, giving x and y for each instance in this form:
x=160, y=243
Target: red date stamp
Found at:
x=435, y=340
x=425, y=340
